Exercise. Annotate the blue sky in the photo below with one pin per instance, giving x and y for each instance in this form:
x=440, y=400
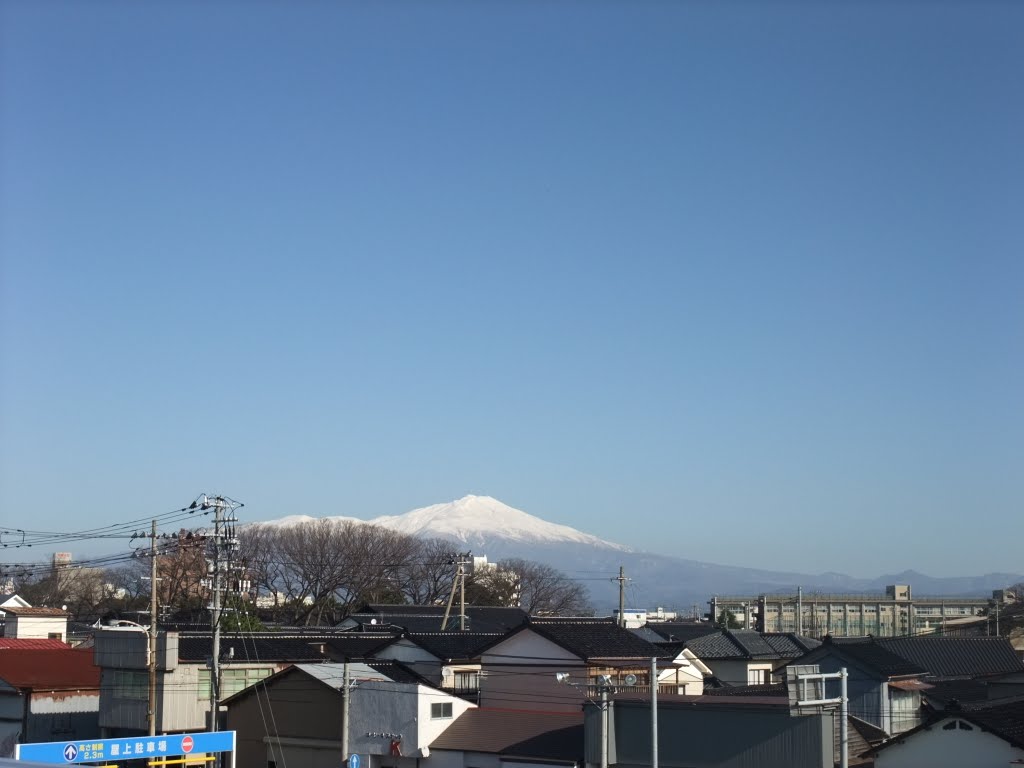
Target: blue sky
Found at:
x=736, y=281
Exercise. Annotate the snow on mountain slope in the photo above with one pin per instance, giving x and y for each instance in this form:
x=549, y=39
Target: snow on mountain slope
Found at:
x=478, y=519
x=473, y=520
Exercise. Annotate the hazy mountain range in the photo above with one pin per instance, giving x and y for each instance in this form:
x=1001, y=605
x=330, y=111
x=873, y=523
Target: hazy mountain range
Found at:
x=486, y=526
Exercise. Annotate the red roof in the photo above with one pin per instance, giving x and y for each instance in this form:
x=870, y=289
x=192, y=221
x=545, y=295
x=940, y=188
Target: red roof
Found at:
x=46, y=669
x=38, y=643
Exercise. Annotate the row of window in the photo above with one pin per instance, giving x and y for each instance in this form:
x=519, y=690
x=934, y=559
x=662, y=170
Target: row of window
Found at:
x=133, y=684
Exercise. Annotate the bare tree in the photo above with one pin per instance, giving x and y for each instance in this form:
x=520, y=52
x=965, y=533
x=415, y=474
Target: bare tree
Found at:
x=538, y=589
x=428, y=578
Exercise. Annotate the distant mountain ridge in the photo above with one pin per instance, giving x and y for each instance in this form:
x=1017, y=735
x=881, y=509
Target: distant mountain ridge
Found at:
x=490, y=527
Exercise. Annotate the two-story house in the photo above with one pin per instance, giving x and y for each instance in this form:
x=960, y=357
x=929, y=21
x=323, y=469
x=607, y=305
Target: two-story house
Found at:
x=586, y=654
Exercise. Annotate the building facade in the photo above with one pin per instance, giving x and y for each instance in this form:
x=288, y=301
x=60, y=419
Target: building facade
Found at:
x=892, y=614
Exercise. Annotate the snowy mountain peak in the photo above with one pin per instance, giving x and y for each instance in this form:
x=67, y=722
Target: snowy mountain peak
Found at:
x=475, y=521
x=478, y=519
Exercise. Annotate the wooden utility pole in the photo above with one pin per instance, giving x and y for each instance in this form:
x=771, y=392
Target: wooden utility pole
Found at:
x=621, y=578
x=153, y=613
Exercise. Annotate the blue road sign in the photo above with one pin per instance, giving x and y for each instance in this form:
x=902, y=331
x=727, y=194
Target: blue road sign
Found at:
x=353, y=761
x=101, y=750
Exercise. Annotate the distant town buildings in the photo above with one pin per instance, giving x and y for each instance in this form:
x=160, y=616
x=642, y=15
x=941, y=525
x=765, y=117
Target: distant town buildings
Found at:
x=893, y=614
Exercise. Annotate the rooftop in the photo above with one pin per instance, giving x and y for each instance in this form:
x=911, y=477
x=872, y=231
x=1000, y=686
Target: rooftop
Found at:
x=50, y=669
x=516, y=733
x=956, y=657
x=595, y=639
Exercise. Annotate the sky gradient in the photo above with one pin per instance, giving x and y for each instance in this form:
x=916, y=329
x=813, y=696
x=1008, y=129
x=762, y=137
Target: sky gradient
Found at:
x=736, y=281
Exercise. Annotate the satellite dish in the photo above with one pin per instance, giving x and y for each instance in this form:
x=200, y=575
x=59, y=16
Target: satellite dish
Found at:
x=629, y=679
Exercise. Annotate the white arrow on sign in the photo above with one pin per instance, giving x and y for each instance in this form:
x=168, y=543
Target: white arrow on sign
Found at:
x=70, y=752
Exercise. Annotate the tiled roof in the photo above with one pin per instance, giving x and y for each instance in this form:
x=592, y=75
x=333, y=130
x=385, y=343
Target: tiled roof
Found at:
x=66, y=669
x=593, y=639
x=648, y=634
x=32, y=642
x=944, y=692
x=950, y=657
x=454, y=645
x=868, y=653
x=748, y=644
x=680, y=632
x=427, y=618
x=252, y=648
x=518, y=733
x=357, y=645
x=17, y=610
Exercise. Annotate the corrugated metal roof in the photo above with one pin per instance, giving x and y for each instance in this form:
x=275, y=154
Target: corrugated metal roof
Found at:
x=36, y=643
x=49, y=669
x=333, y=674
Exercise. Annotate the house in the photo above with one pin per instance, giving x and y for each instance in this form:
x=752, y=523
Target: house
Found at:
x=183, y=674
x=959, y=658
x=981, y=737
x=22, y=622
x=745, y=657
x=295, y=716
x=12, y=600
x=47, y=694
x=502, y=738
x=519, y=670
x=884, y=689
x=687, y=674
x=448, y=660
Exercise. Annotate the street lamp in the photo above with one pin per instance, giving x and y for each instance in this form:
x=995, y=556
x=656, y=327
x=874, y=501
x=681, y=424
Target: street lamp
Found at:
x=604, y=687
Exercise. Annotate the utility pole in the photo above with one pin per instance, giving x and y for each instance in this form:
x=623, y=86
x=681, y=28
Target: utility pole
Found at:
x=223, y=544
x=621, y=578
x=654, y=712
x=344, y=714
x=459, y=582
x=153, y=613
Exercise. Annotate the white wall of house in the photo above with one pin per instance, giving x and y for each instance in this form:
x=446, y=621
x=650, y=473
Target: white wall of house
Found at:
x=954, y=748
x=36, y=627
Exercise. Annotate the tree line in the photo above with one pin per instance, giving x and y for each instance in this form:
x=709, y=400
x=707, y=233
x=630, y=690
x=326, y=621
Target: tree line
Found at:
x=311, y=573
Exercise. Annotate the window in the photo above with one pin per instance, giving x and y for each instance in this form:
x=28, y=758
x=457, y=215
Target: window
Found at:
x=232, y=680
x=441, y=711
x=756, y=676
x=54, y=636
x=467, y=681
x=129, y=684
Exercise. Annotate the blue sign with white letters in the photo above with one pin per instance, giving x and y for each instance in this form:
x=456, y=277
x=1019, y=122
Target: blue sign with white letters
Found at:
x=139, y=747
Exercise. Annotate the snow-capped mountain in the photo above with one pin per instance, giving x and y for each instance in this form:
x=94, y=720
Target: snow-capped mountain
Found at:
x=479, y=520
x=476, y=521
x=489, y=527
